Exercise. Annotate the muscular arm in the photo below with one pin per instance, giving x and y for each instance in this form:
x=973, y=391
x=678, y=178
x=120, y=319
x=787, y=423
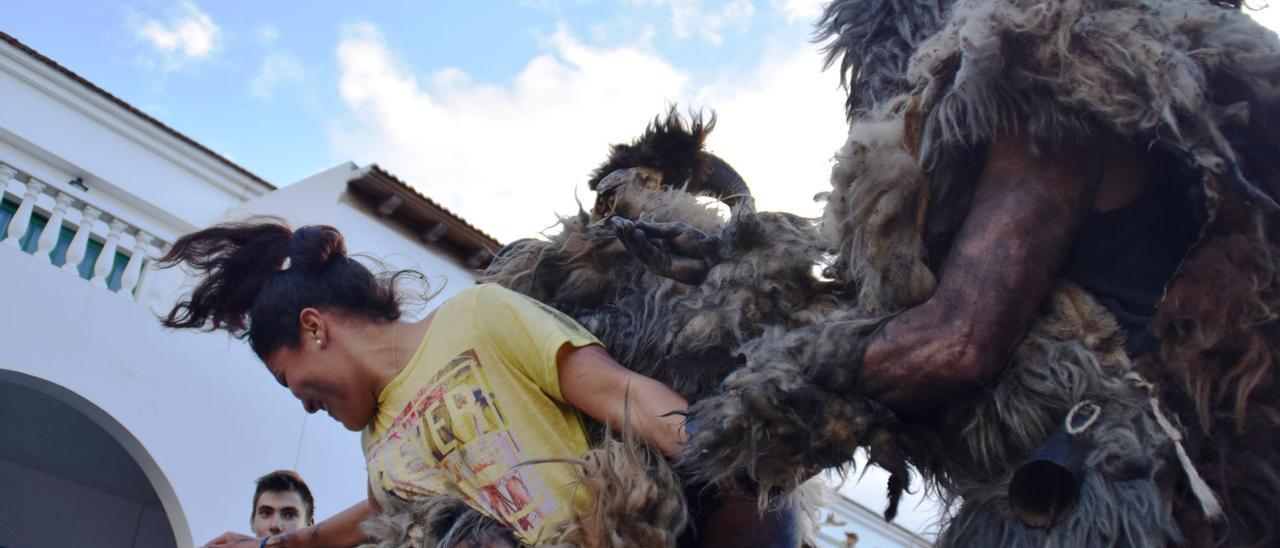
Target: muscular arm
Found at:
x=1005, y=258
x=592, y=382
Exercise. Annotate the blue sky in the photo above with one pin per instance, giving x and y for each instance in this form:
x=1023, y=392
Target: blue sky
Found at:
x=287, y=89
x=496, y=110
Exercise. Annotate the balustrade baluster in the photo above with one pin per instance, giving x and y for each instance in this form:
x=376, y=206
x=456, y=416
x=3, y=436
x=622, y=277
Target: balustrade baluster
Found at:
x=53, y=229
x=22, y=218
x=147, y=292
x=7, y=174
x=107, y=260
x=80, y=242
x=132, y=271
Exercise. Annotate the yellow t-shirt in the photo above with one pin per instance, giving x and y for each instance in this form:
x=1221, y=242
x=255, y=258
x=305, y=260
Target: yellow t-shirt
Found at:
x=480, y=396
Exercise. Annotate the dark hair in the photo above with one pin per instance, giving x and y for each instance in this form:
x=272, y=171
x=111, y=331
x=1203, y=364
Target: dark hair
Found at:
x=281, y=481
x=257, y=276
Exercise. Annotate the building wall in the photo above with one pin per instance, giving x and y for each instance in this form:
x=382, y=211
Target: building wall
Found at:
x=39, y=510
x=58, y=130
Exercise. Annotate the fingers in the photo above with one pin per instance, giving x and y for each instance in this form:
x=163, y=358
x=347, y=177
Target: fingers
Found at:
x=639, y=246
x=666, y=231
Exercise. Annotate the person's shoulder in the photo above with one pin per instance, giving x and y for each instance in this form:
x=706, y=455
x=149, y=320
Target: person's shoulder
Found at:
x=490, y=294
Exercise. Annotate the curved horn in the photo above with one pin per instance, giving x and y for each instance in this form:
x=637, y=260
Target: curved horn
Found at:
x=720, y=181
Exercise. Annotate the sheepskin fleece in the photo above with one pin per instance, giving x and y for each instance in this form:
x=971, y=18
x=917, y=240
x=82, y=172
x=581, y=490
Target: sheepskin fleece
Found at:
x=767, y=351
x=930, y=83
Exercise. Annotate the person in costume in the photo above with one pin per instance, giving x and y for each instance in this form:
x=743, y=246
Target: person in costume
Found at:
x=1055, y=239
x=480, y=403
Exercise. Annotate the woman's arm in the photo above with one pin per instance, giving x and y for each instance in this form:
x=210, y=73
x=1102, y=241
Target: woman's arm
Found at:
x=594, y=383
x=342, y=530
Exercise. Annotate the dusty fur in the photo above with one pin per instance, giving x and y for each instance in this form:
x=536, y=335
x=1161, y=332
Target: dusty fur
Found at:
x=1188, y=77
x=435, y=522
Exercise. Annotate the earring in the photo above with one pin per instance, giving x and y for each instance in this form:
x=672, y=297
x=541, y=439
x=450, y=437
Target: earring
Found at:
x=317, y=341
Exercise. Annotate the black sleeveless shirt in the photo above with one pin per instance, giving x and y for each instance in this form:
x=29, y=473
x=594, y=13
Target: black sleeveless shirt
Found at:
x=1125, y=257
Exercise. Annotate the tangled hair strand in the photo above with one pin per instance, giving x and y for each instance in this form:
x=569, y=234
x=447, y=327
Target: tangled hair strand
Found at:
x=255, y=277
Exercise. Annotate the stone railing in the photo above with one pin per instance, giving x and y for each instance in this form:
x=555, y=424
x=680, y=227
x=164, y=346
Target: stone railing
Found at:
x=52, y=225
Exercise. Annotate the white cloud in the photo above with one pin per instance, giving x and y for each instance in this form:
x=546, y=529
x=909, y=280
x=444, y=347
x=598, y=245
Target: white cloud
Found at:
x=480, y=149
x=188, y=35
x=1265, y=14
x=780, y=127
x=800, y=11
x=278, y=68
x=268, y=34
x=690, y=17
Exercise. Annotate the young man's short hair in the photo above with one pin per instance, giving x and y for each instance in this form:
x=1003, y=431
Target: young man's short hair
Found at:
x=285, y=480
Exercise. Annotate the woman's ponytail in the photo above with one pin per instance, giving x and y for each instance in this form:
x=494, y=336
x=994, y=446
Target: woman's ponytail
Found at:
x=255, y=277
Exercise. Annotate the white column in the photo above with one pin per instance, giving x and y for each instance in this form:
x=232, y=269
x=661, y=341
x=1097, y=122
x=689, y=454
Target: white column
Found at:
x=53, y=229
x=132, y=271
x=144, y=245
x=22, y=218
x=102, y=267
x=7, y=173
x=152, y=282
x=80, y=242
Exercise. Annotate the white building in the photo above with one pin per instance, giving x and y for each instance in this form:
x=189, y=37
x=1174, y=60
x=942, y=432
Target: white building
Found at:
x=115, y=432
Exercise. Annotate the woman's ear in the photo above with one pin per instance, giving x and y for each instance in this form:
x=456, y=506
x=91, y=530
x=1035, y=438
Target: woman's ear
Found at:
x=312, y=324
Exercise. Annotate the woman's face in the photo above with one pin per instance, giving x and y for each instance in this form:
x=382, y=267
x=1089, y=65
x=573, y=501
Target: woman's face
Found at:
x=323, y=380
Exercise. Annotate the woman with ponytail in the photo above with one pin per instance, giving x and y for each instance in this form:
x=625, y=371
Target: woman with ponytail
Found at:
x=479, y=401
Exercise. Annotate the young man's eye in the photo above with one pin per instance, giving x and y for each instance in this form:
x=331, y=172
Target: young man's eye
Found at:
x=289, y=514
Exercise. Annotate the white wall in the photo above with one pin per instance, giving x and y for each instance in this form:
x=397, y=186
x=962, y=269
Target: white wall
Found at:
x=57, y=129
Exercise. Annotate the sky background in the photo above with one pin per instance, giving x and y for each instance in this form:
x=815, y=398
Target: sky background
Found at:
x=497, y=110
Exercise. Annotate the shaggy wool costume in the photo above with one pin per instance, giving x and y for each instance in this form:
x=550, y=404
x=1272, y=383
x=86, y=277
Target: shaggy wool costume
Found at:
x=931, y=83
x=767, y=352
x=687, y=337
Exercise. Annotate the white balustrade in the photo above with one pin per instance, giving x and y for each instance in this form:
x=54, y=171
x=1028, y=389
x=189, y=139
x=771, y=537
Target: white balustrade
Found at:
x=107, y=259
x=80, y=242
x=21, y=220
x=137, y=278
x=53, y=229
x=151, y=283
x=6, y=175
x=132, y=271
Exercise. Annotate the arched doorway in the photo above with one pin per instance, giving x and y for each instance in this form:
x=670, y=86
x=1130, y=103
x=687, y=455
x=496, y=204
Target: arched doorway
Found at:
x=71, y=475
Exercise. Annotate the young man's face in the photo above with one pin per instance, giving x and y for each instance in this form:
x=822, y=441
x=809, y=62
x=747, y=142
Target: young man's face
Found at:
x=278, y=512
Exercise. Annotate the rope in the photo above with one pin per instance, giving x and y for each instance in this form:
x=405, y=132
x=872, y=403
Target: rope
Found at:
x=1209, y=503
x=1095, y=411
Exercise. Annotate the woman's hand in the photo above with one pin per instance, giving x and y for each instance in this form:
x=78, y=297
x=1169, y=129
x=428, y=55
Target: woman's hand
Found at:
x=231, y=539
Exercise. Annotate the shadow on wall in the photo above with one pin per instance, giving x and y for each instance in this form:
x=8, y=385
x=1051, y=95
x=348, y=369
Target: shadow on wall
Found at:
x=73, y=476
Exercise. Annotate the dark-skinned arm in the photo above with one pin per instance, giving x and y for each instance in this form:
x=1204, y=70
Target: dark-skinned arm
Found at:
x=1022, y=221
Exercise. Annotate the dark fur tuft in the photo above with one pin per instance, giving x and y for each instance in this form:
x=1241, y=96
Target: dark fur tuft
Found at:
x=667, y=145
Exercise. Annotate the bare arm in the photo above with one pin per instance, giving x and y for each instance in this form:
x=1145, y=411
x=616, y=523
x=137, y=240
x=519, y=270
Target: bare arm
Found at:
x=1001, y=267
x=342, y=530
x=594, y=383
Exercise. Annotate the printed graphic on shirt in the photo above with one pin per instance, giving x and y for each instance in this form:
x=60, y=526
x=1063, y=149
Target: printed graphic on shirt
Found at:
x=451, y=436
